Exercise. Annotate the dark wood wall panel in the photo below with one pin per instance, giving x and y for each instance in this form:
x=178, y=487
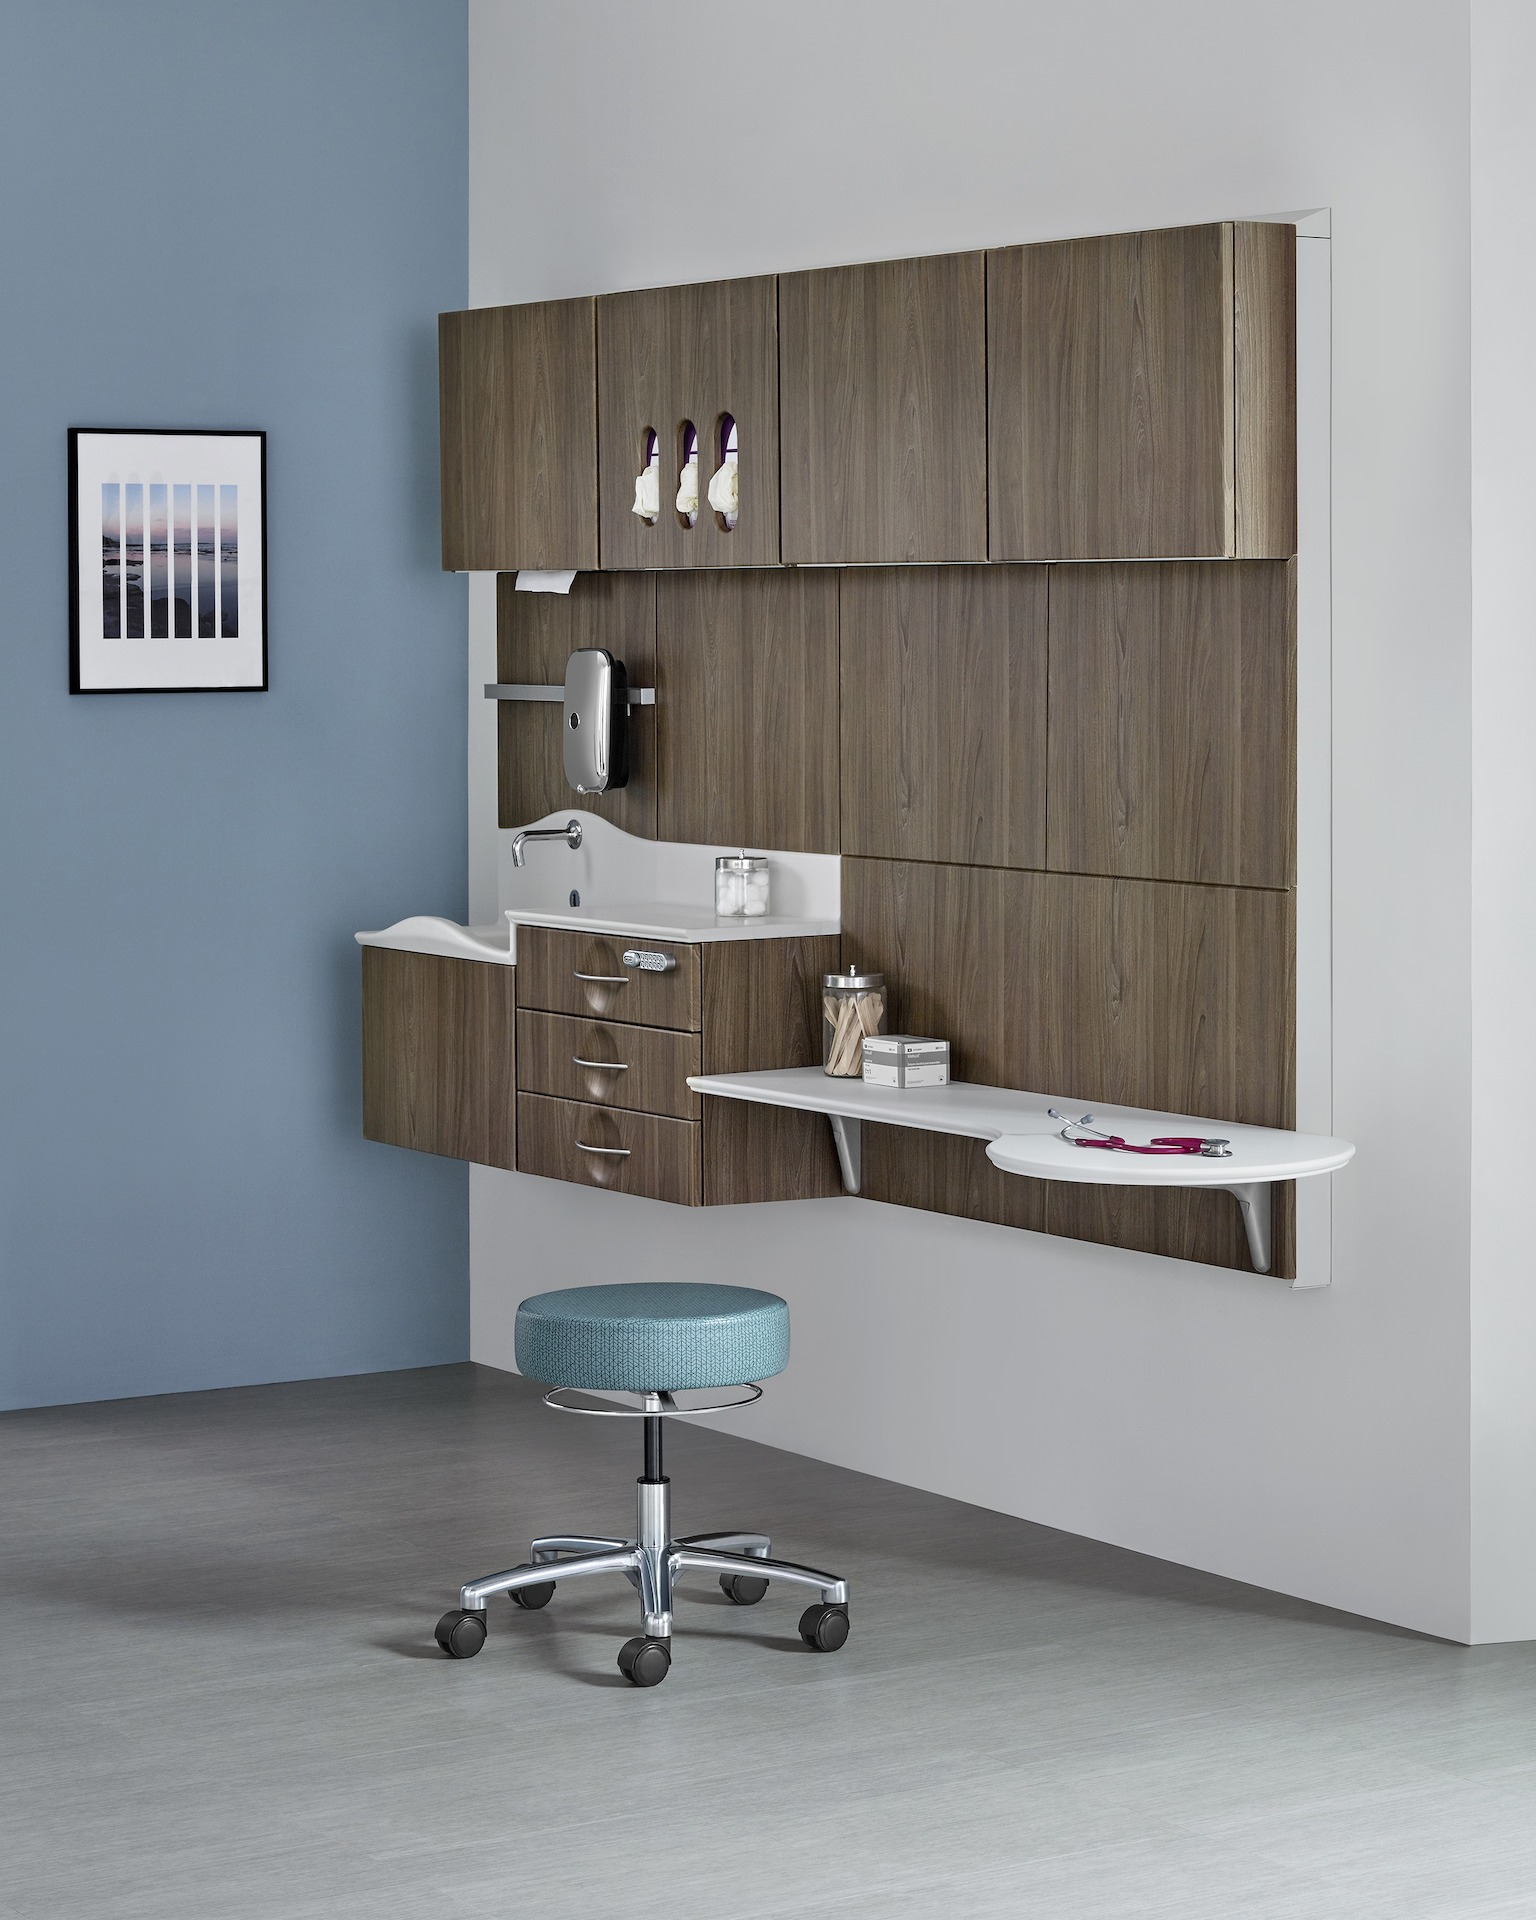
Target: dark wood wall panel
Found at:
x=1173, y=721
x=536, y=633
x=517, y=390
x=1116, y=992
x=747, y=709
x=671, y=354
x=1264, y=386
x=439, y=1041
x=761, y=1009
x=942, y=1173
x=883, y=384
x=1109, y=369
x=1185, y=1223
x=944, y=713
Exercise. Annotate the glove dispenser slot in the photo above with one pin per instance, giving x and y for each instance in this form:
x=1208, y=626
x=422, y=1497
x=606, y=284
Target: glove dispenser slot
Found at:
x=724, y=484
x=688, y=474
x=648, y=481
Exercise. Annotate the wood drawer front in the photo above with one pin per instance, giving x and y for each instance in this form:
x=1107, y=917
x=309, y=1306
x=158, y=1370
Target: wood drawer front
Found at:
x=585, y=974
x=643, y=1069
x=607, y=1147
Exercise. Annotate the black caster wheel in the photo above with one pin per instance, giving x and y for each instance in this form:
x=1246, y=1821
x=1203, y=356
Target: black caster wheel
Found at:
x=645, y=1662
x=744, y=1588
x=824, y=1628
x=461, y=1635
x=534, y=1597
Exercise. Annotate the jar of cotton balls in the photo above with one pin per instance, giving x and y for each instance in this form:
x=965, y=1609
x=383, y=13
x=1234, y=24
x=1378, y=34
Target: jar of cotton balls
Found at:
x=741, y=885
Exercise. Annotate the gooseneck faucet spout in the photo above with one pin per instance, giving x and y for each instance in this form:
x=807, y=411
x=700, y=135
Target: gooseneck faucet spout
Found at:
x=570, y=833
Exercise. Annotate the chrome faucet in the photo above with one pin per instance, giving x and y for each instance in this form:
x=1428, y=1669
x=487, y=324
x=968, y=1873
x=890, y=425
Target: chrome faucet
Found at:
x=570, y=833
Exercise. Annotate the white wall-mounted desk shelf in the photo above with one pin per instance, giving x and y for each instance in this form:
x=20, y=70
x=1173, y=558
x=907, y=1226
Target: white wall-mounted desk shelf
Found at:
x=1023, y=1138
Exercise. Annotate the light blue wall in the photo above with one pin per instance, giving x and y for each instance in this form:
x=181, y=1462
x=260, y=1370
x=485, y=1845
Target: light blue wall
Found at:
x=217, y=215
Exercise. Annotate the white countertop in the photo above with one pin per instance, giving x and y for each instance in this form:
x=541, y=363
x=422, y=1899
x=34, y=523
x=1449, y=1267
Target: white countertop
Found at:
x=1025, y=1139
x=426, y=933
x=670, y=920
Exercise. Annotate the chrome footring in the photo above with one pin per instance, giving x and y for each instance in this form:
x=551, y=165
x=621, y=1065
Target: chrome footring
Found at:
x=663, y=1406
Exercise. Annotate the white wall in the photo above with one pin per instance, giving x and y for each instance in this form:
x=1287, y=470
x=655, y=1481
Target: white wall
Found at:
x=1503, y=817
x=1317, y=1443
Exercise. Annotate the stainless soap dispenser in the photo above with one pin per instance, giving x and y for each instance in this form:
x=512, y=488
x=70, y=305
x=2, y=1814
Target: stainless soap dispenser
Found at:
x=596, y=721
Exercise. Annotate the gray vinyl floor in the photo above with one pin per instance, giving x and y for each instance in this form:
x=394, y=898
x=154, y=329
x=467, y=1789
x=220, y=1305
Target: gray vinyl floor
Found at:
x=219, y=1695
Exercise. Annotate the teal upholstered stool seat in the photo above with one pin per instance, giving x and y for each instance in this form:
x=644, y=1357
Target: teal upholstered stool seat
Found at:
x=652, y=1337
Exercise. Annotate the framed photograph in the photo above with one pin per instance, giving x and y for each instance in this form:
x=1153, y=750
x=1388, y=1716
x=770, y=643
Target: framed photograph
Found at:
x=167, y=561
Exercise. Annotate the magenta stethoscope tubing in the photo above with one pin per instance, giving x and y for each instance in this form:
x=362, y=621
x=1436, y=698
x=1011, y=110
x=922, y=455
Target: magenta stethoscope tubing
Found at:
x=1162, y=1144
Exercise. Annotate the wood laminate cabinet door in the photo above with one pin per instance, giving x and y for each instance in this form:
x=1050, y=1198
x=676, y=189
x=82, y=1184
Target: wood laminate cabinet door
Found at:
x=439, y=1042
x=701, y=355
x=883, y=411
x=1142, y=395
x=518, y=425
x=536, y=634
x=747, y=709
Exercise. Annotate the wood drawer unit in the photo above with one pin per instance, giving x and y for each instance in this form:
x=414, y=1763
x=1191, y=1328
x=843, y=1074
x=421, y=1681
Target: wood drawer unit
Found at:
x=585, y=974
x=438, y=1055
x=642, y=1069
x=605, y=1101
x=607, y=1147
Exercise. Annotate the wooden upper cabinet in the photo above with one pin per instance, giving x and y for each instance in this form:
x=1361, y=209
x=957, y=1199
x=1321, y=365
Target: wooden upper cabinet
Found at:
x=1142, y=396
x=678, y=360
x=883, y=411
x=518, y=424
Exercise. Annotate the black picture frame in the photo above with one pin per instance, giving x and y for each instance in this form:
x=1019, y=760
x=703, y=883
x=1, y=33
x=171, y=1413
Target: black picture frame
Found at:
x=130, y=640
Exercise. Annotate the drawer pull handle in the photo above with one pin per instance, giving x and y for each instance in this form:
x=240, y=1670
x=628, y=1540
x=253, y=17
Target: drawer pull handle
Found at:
x=603, y=1066
x=649, y=961
x=618, y=1153
x=602, y=979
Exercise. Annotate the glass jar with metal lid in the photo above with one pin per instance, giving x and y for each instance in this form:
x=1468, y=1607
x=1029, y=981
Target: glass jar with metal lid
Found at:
x=741, y=885
x=852, y=1005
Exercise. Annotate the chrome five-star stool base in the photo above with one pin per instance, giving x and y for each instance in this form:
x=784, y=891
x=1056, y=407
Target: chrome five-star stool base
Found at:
x=653, y=1562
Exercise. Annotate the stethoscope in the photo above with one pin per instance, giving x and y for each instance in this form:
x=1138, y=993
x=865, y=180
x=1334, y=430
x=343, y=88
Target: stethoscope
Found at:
x=1077, y=1134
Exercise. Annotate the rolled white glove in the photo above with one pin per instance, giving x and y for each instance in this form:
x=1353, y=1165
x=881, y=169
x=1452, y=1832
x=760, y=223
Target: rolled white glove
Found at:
x=688, y=487
x=648, y=494
x=724, y=486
